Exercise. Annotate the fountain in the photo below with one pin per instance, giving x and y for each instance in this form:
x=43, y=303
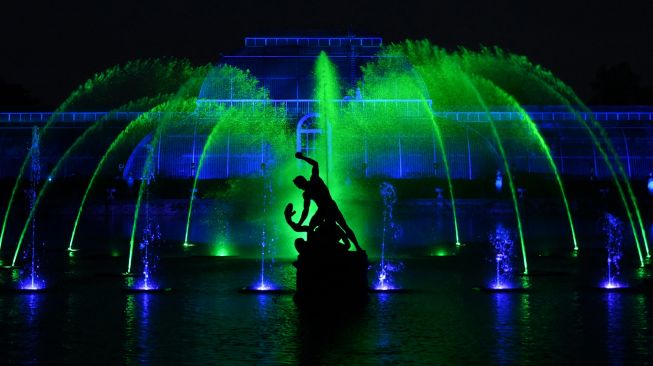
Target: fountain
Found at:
x=391, y=231
x=269, y=235
x=503, y=246
x=612, y=229
x=31, y=280
x=423, y=149
x=399, y=121
x=150, y=238
x=264, y=285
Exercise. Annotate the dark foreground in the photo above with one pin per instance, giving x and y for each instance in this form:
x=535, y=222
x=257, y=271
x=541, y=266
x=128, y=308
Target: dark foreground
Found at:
x=85, y=319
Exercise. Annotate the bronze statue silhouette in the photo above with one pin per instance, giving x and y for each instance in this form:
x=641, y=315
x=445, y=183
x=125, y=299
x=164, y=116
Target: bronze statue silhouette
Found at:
x=327, y=272
x=328, y=214
x=324, y=237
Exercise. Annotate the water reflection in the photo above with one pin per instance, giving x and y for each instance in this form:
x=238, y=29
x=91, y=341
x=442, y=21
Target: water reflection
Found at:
x=513, y=329
x=641, y=329
x=628, y=329
x=504, y=328
x=25, y=318
x=386, y=340
x=137, y=329
x=615, y=332
x=275, y=331
x=327, y=332
x=207, y=322
x=526, y=333
x=32, y=302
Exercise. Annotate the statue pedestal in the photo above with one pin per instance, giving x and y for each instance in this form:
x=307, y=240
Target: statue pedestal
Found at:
x=331, y=275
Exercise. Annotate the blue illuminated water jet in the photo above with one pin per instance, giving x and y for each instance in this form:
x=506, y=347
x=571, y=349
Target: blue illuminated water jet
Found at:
x=151, y=236
x=612, y=228
x=32, y=281
x=503, y=245
x=390, y=231
x=264, y=285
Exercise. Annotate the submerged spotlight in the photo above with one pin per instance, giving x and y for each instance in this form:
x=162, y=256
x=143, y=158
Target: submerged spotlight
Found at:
x=498, y=182
x=265, y=288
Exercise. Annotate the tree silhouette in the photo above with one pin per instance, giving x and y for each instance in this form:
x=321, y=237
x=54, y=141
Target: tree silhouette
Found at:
x=14, y=97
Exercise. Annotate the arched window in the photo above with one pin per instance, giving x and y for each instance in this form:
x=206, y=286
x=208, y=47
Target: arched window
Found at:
x=308, y=134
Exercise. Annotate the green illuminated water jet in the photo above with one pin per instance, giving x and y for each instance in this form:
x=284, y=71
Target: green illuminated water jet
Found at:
x=185, y=106
x=395, y=84
x=445, y=160
x=506, y=166
x=251, y=126
x=200, y=165
x=55, y=170
x=20, y=175
x=21, y=172
x=141, y=122
x=255, y=124
x=440, y=140
x=606, y=139
x=606, y=159
x=188, y=84
x=442, y=74
x=532, y=127
x=517, y=73
x=327, y=93
x=154, y=78
x=422, y=72
x=46, y=184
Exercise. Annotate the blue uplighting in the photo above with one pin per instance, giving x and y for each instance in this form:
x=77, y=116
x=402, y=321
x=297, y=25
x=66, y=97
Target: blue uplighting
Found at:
x=459, y=116
x=314, y=41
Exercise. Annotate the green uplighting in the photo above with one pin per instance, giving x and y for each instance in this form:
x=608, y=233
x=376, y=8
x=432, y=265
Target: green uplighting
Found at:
x=440, y=252
x=221, y=249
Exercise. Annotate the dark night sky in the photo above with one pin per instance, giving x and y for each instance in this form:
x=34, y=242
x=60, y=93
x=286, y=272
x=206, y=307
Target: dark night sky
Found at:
x=51, y=47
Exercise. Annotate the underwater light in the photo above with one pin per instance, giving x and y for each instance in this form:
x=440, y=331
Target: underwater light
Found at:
x=385, y=288
x=146, y=289
x=498, y=182
x=611, y=285
x=265, y=288
x=501, y=288
x=31, y=285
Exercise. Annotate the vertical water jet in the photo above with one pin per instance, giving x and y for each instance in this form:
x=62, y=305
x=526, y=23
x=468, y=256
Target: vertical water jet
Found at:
x=32, y=282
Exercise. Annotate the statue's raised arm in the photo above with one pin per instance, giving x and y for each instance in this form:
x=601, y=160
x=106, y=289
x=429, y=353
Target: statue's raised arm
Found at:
x=316, y=170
